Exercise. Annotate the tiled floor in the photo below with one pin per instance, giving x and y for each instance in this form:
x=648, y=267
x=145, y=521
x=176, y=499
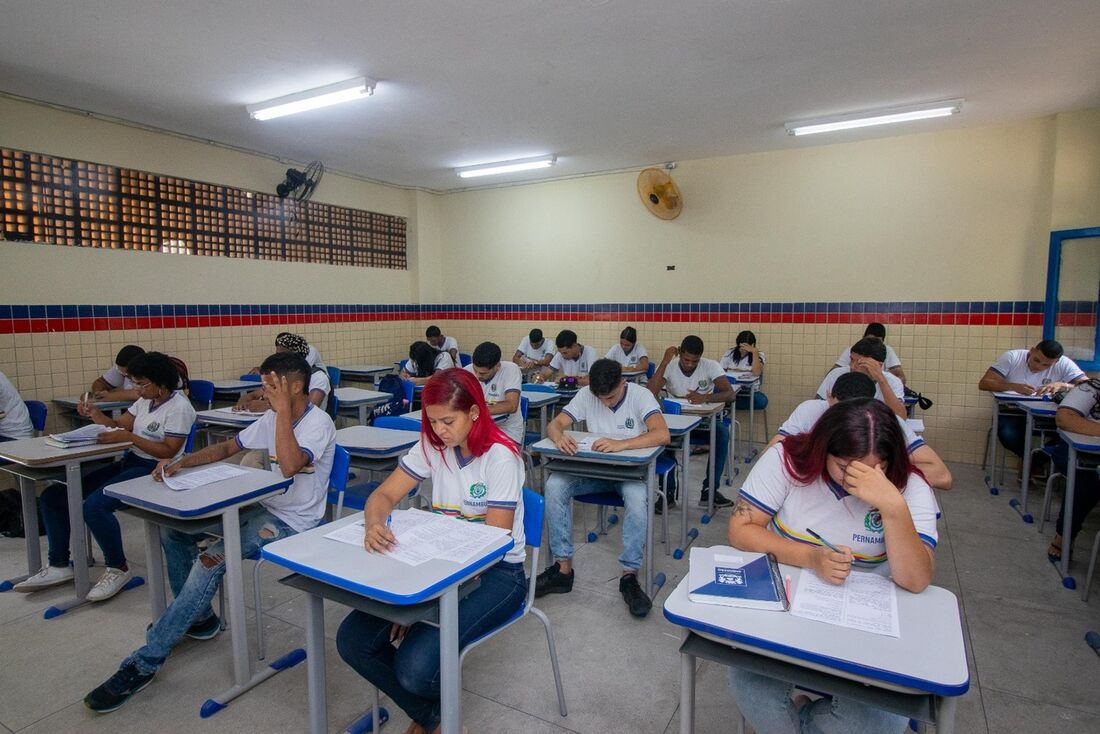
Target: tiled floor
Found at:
x=1030, y=668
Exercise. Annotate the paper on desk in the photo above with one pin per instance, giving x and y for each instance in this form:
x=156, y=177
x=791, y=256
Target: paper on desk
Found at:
x=244, y=413
x=688, y=404
x=586, y=443
x=425, y=536
x=202, y=477
x=865, y=601
x=84, y=433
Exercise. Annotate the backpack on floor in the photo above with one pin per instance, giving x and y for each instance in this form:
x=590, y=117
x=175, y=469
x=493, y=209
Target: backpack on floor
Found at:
x=11, y=515
x=396, y=405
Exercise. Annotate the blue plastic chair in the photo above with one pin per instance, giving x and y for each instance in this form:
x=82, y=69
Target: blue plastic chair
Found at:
x=464, y=359
x=189, y=445
x=250, y=378
x=334, y=377
x=397, y=422
x=410, y=392
x=202, y=391
x=355, y=496
x=651, y=370
x=38, y=411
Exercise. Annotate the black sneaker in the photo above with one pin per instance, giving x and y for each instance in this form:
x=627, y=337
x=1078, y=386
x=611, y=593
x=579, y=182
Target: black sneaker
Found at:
x=117, y=689
x=633, y=595
x=720, y=500
x=553, y=581
x=659, y=506
x=207, y=629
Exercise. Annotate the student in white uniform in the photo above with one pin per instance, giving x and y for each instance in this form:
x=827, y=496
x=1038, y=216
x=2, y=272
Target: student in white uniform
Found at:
x=319, y=384
x=849, y=480
x=744, y=357
x=573, y=359
x=685, y=373
x=868, y=355
x=891, y=364
x=15, y=419
x=501, y=383
x=628, y=352
x=858, y=385
x=300, y=440
x=424, y=361
x=477, y=476
x=158, y=424
x=630, y=417
x=534, y=350
x=1079, y=412
x=115, y=383
x=1042, y=370
x=289, y=340
x=443, y=343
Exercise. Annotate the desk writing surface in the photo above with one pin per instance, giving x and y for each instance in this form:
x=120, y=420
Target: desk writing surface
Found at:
x=365, y=369
x=236, y=385
x=36, y=452
x=1039, y=409
x=1015, y=397
x=680, y=424
x=104, y=405
x=152, y=495
x=372, y=441
x=698, y=408
x=929, y=655
x=223, y=417
x=537, y=399
x=630, y=456
x=1080, y=441
x=372, y=574
x=352, y=396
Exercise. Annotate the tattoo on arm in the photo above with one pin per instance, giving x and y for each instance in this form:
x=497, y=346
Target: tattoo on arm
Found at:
x=742, y=509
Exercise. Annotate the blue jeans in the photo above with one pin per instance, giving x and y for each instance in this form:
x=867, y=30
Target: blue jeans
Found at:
x=194, y=578
x=1086, y=490
x=409, y=674
x=721, y=446
x=100, y=518
x=559, y=493
x=766, y=704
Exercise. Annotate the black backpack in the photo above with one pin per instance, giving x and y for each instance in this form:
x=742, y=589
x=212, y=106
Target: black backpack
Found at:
x=332, y=406
x=396, y=405
x=11, y=515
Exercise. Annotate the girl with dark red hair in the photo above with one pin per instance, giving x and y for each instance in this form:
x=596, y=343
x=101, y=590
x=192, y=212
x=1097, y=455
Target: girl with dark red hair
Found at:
x=477, y=476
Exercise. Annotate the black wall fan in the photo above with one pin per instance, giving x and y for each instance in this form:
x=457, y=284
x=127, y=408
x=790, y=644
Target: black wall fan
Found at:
x=299, y=185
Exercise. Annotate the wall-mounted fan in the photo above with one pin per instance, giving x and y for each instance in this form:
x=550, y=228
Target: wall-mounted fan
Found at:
x=299, y=185
x=659, y=193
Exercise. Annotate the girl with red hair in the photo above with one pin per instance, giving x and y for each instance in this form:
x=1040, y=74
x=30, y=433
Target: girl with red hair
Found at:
x=477, y=476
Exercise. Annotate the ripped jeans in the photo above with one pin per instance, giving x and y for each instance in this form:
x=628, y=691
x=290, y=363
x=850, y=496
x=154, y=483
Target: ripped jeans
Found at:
x=194, y=577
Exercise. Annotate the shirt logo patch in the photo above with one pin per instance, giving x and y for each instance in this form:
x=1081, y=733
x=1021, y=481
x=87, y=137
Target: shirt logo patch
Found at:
x=152, y=427
x=873, y=521
x=629, y=423
x=703, y=383
x=493, y=387
x=477, y=491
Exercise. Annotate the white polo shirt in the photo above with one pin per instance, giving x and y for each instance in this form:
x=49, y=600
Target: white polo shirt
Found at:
x=830, y=511
x=701, y=380
x=508, y=379
x=826, y=386
x=1083, y=400
x=892, y=360
x=443, y=361
x=318, y=380
x=467, y=486
x=575, y=367
x=303, y=505
x=533, y=354
x=16, y=422
x=1012, y=365
x=116, y=379
x=806, y=415
x=313, y=358
x=449, y=342
x=173, y=417
x=624, y=420
x=628, y=361
x=729, y=364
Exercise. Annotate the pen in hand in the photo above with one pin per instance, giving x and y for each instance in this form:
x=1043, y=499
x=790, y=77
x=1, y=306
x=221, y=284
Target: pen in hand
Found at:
x=824, y=542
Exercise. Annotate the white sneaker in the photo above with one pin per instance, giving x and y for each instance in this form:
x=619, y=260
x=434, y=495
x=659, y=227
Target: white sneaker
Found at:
x=110, y=583
x=44, y=579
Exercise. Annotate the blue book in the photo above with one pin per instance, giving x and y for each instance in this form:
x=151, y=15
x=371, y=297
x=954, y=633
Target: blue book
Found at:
x=733, y=578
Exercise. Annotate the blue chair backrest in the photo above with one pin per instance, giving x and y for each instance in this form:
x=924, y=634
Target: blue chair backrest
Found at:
x=533, y=509
x=250, y=378
x=341, y=464
x=332, y=407
x=410, y=391
x=651, y=370
x=523, y=408
x=202, y=391
x=539, y=387
x=38, y=411
x=334, y=376
x=189, y=445
x=464, y=359
x=397, y=422
x=672, y=408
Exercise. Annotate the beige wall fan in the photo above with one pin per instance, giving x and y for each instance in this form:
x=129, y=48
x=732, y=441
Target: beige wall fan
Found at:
x=659, y=193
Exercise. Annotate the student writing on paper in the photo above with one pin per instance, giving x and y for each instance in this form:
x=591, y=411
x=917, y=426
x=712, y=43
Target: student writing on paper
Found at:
x=15, y=419
x=501, y=383
x=477, y=476
x=628, y=417
x=891, y=364
x=868, y=357
x=628, y=352
x=685, y=373
x=1042, y=370
x=447, y=344
x=255, y=401
x=1079, y=412
x=157, y=424
x=115, y=383
x=424, y=361
x=744, y=357
x=851, y=481
x=573, y=359
x=534, y=350
x=301, y=441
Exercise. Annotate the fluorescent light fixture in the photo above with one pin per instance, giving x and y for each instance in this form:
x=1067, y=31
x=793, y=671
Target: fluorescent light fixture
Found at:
x=520, y=164
x=943, y=108
x=311, y=99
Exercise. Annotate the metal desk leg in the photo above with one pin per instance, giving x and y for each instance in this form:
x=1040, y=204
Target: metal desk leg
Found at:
x=714, y=483
x=154, y=564
x=687, y=693
x=945, y=714
x=75, y=494
x=1067, y=520
x=653, y=582
x=30, y=533
x=687, y=537
x=315, y=647
x=363, y=414
x=752, y=420
x=1020, y=505
x=991, y=477
x=450, y=685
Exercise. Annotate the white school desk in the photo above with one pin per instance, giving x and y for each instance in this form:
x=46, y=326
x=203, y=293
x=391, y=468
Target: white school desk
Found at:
x=710, y=412
x=374, y=583
x=31, y=458
x=632, y=464
x=1078, y=444
x=114, y=407
x=375, y=449
x=1039, y=416
x=918, y=675
x=361, y=400
x=544, y=402
x=233, y=388
x=364, y=372
x=217, y=417
x=418, y=416
x=680, y=428
x=223, y=501
x=1003, y=402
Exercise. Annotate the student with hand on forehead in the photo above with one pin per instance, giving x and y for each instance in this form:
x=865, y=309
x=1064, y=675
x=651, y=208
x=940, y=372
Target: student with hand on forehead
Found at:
x=868, y=357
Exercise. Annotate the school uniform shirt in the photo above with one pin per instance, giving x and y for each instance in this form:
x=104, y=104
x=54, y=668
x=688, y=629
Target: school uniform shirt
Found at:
x=729, y=364
x=896, y=385
x=116, y=379
x=825, y=506
x=449, y=343
x=1084, y=400
x=626, y=419
x=575, y=367
x=318, y=380
x=805, y=417
x=1012, y=365
x=313, y=358
x=443, y=361
x=173, y=417
x=892, y=360
x=628, y=361
x=508, y=379
x=466, y=487
x=303, y=504
x=678, y=385
x=530, y=352
x=16, y=422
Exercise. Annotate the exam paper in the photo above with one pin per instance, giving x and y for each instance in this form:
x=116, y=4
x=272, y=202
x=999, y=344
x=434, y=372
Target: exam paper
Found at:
x=84, y=433
x=425, y=536
x=244, y=413
x=586, y=443
x=202, y=477
x=865, y=601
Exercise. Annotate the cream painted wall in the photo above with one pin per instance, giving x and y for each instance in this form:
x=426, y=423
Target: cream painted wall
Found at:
x=1076, y=202
x=960, y=214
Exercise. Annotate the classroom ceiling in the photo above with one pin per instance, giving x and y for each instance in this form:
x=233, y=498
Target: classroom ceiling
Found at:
x=605, y=84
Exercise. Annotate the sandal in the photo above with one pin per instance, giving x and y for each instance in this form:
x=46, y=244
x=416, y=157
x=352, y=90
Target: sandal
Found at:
x=1054, y=551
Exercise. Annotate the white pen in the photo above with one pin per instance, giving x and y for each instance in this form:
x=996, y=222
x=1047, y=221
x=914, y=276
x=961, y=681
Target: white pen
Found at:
x=174, y=461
